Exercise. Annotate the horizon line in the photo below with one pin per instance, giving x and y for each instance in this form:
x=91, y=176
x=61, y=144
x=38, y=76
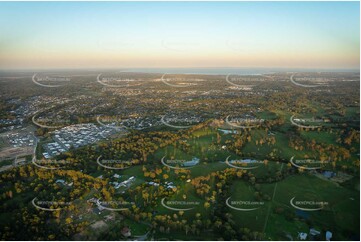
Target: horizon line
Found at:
x=152, y=68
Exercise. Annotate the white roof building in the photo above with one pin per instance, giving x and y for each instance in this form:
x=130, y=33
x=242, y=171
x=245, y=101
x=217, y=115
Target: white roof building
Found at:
x=302, y=236
x=328, y=235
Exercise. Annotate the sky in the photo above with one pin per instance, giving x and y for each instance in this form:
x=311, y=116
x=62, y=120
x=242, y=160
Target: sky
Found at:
x=179, y=34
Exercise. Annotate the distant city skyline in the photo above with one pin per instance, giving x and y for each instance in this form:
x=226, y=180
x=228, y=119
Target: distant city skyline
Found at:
x=316, y=35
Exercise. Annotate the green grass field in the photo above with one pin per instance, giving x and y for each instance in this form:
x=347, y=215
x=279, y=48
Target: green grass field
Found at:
x=243, y=192
x=341, y=203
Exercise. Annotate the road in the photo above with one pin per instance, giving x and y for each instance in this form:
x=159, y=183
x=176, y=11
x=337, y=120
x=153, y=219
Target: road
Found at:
x=269, y=207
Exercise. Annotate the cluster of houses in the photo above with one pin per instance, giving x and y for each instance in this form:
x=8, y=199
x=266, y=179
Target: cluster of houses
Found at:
x=52, y=149
x=140, y=123
x=180, y=119
x=98, y=209
x=76, y=136
x=11, y=122
x=20, y=114
x=21, y=139
x=125, y=184
x=168, y=185
x=245, y=118
x=314, y=235
x=338, y=176
x=25, y=109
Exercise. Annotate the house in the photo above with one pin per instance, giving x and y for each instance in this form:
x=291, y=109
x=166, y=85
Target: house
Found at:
x=46, y=155
x=153, y=184
x=126, y=231
x=314, y=232
x=302, y=236
x=171, y=187
x=64, y=183
x=116, y=185
x=328, y=235
x=60, y=181
x=98, y=210
x=117, y=176
x=271, y=133
x=328, y=174
x=92, y=200
x=128, y=182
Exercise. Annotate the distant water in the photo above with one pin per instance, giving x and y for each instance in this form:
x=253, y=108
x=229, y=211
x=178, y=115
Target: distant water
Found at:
x=226, y=71
x=204, y=71
x=303, y=214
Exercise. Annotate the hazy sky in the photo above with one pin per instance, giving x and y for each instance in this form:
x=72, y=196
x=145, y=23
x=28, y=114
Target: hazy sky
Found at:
x=179, y=34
